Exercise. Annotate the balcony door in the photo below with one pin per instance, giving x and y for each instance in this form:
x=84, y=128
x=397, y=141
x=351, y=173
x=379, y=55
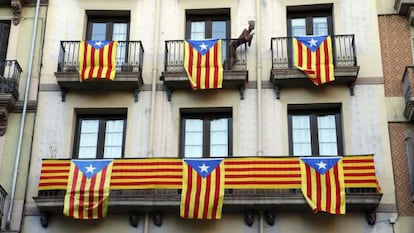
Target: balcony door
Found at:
x=4, y=40
x=310, y=20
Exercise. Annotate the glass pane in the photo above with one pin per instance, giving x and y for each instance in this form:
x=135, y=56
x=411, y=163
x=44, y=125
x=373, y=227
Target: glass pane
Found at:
x=98, y=31
x=320, y=26
x=193, y=145
x=88, y=138
x=114, y=138
x=219, y=137
x=327, y=135
x=120, y=31
x=219, y=29
x=197, y=31
x=301, y=135
x=298, y=27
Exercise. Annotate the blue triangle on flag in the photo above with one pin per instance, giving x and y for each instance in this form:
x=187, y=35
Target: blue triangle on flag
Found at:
x=202, y=46
x=90, y=168
x=203, y=166
x=321, y=164
x=98, y=44
x=312, y=42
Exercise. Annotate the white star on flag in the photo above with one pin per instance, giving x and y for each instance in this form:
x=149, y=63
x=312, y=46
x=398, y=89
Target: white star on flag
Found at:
x=203, y=46
x=90, y=169
x=204, y=168
x=321, y=165
x=98, y=43
x=312, y=42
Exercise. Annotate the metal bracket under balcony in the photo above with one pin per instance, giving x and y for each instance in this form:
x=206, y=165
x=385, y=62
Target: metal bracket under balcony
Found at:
x=128, y=70
x=283, y=74
x=235, y=201
x=235, y=74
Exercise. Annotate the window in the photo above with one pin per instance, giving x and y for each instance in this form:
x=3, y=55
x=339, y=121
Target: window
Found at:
x=108, y=25
x=310, y=20
x=4, y=40
x=100, y=136
x=206, y=133
x=315, y=131
x=409, y=145
x=208, y=23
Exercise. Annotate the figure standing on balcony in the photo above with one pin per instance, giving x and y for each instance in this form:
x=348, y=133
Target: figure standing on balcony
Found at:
x=245, y=37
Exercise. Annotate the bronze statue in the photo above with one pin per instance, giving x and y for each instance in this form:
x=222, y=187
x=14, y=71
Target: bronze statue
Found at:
x=245, y=37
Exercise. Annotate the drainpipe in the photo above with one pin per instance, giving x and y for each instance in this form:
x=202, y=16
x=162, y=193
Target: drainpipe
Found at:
x=261, y=223
x=259, y=78
x=23, y=117
x=154, y=79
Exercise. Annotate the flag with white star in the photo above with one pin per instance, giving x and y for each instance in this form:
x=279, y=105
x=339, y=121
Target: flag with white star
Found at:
x=323, y=183
x=313, y=55
x=97, y=59
x=87, y=191
x=203, y=64
x=202, y=188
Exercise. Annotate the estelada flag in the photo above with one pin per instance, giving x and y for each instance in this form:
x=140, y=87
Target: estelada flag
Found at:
x=323, y=184
x=97, y=59
x=313, y=55
x=202, y=62
x=87, y=192
x=202, y=193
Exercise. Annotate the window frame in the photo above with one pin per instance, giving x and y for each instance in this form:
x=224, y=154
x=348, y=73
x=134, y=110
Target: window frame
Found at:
x=109, y=17
x=208, y=16
x=309, y=12
x=102, y=117
x=206, y=115
x=315, y=110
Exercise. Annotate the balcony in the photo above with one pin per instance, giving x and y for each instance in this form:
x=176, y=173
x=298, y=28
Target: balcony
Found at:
x=3, y=195
x=175, y=78
x=405, y=8
x=270, y=194
x=284, y=75
x=10, y=71
x=408, y=87
x=129, y=61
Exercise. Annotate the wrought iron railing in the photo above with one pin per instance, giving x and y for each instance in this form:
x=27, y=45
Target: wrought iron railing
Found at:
x=233, y=57
x=129, y=56
x=10, y=71
x=408, y=83
x=3, y=195
x=343, y=47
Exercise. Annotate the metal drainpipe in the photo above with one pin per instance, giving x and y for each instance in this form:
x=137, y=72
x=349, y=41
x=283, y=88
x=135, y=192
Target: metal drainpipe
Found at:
x=154, y=79
x=259, y=78
x=261, y=223
x=23, y=118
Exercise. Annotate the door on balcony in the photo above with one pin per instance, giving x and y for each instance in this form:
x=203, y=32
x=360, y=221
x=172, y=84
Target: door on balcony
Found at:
x=208, y=23
x=206, y=134
x=4, y=40
x=110, y=25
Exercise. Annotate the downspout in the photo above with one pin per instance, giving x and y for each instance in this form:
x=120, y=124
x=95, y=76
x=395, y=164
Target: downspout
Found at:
x=154, y=79
x=259, y=78
x=261, y=223
x=23, y=118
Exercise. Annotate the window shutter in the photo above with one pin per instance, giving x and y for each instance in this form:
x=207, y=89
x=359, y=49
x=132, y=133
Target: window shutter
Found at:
x=409, y=144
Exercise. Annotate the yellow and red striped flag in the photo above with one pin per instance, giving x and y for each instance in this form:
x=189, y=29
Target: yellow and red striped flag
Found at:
x=87, y=192
x=202, y=193
x=97, y=59
x=202, y=62
x=323, y=184
x=313, y=55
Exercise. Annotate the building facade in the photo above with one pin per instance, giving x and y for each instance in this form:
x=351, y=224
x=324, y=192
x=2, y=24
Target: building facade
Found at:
x=267, y=108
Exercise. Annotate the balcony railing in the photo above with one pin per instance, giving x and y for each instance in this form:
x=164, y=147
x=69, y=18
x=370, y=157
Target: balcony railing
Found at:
x=284, y=74
x=277, y=191
x=3, y=195
x=234, y=61
x=408, y=87
x=10, y=71
x=129, y=56
x=129, y=63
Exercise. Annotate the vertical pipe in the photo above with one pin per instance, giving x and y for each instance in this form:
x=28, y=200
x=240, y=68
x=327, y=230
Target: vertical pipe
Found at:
x=259, y=77
x=23, y=117
x=261, y=223
x=154, y=79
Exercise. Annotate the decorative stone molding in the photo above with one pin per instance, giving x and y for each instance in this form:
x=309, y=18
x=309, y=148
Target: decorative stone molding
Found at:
x=16, y=6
